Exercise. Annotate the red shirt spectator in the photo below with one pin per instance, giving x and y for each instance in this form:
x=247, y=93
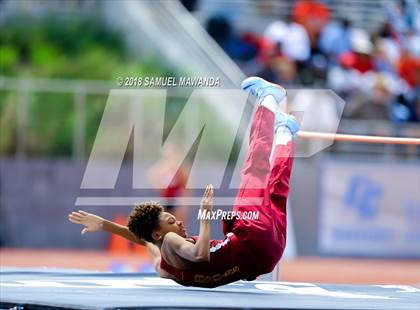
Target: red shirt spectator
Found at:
x=313, y=15
x=409, y=68
x=360, y=62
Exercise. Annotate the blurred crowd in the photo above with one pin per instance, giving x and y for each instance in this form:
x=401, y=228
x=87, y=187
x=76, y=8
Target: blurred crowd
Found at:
x=376, y=73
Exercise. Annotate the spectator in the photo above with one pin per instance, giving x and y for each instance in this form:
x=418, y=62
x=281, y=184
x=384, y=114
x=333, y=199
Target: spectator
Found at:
x=292, y=37
x=409, y=68
x=406, y=108
x=389, y=43
x=371, y=105
x=220, y=28
x=313, y=15
x=335, y=38
x=383, y=59
x=411, y=43
x=360, y=57
x=341, y=77
x=278, y=68
x=403, y=15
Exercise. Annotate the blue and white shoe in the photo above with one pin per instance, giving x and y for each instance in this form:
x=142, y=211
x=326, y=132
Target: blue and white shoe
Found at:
x=260, y=88
x=288, y=121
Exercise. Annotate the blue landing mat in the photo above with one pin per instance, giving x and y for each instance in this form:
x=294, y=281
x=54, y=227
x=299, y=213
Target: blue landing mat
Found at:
x=75, y=289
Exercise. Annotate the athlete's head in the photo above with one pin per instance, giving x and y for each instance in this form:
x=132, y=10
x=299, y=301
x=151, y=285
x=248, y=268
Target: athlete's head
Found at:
x=149, y=221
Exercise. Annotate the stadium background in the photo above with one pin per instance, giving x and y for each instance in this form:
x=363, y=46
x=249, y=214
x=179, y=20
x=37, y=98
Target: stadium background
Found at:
x=59, y=59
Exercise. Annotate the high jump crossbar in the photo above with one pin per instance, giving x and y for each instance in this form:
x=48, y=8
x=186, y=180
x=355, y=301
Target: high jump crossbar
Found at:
x=357, y=138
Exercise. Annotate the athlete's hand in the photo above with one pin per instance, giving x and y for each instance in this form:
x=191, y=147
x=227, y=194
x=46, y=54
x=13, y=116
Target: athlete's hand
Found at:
x=207, y=200
x=91, y=222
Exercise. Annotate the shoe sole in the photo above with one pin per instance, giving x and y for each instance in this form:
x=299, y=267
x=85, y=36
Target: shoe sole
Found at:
x=272, y=84
x=291, y=116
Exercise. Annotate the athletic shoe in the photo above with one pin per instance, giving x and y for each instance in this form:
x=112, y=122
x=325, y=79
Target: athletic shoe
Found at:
x=287, y=120
x=260, y=88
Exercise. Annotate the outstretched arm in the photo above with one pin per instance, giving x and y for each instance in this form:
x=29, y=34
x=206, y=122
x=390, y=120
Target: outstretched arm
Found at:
x=93, y=223
x=200, y=251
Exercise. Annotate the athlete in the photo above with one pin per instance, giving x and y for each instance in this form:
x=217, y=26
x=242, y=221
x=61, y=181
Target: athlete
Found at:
x=250, y=247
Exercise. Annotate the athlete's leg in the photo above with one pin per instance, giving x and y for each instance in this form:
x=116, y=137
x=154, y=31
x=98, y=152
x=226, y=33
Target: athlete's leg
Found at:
x=257, y=163
x=273, y=209
x=266, y=236
x=256, y=168
x=286, y=127
x=279, y=181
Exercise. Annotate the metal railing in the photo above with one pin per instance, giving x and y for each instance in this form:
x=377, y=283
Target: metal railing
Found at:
x=79, y=90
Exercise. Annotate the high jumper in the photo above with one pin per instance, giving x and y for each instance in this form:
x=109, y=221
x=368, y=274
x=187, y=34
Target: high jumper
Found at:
x=251, y=247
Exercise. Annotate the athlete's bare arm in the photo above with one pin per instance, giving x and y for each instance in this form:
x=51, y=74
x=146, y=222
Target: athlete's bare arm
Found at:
x=155, y=253
x=93, y=223
x=198, y=252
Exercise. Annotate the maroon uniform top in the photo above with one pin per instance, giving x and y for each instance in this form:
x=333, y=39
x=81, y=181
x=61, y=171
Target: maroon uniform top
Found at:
x=228, y=263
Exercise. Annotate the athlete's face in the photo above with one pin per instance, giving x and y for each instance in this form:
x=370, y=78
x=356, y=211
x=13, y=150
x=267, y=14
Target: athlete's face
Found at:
x=168, y=223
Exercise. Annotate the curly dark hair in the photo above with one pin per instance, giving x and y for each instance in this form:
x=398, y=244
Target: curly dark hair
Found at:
x=144, y=218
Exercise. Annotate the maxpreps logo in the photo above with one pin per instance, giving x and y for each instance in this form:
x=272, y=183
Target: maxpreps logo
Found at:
x=211, y=129
x=220, y=214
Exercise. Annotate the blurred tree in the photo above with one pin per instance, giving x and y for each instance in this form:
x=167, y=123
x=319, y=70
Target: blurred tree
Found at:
x=70, y=47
